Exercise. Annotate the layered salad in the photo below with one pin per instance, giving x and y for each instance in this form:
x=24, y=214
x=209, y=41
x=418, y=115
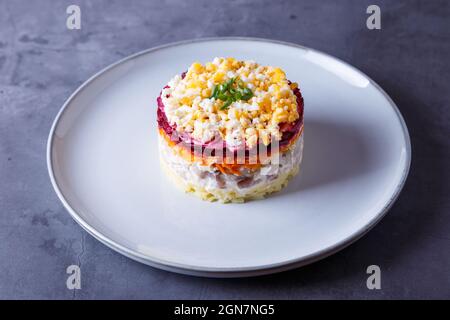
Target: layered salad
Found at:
x=230, y=130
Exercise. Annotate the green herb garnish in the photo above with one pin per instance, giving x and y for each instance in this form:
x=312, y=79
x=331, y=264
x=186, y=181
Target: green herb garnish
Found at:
x=230, y=91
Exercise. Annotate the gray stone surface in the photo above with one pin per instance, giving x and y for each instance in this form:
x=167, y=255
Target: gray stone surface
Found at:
x=41, y=63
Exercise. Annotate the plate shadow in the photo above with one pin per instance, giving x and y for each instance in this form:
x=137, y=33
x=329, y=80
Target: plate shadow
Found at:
x=332, y=152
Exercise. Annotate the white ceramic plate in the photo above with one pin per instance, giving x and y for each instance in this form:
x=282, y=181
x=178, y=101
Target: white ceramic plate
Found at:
x=103, y=163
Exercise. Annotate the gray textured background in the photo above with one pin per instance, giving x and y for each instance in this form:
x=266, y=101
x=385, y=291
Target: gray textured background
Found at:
x=41, y=63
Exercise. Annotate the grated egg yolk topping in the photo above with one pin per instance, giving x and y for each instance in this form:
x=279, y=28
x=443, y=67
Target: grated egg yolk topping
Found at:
x=191, y=103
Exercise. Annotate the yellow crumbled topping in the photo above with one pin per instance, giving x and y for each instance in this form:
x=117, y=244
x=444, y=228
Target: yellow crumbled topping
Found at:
x=189, y=103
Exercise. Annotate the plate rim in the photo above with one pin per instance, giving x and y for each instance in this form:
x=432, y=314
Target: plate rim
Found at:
x=225, y=272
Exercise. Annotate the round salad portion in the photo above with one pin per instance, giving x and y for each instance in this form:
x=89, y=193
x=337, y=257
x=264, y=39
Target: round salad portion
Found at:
x=231, y=130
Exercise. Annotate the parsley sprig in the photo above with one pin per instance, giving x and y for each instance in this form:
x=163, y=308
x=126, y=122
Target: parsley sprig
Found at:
x=230, y=91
